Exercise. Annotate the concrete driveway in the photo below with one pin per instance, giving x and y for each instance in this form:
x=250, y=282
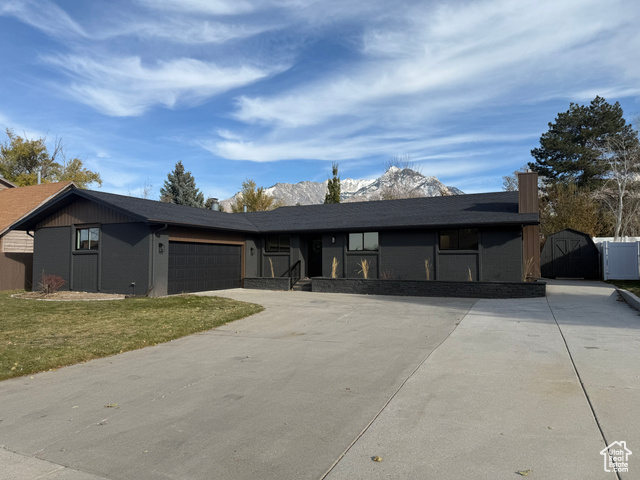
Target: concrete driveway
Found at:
x=318, y=384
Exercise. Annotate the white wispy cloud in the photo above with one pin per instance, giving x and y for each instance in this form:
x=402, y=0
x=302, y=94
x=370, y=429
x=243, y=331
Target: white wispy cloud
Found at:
x=187, y=30
x=335, y=144
x=128, y=87
x=427, y=62
x=43, y=15
x=483, y=48
x=211, y=7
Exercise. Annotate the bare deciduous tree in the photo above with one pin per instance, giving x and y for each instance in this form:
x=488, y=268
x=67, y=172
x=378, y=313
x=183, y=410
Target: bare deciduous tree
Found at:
x=621, y=190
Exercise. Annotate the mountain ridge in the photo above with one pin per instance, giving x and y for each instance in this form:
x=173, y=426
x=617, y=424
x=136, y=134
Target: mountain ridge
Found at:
x=394, y=183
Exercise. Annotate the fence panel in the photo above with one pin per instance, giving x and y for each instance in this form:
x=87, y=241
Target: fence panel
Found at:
x=621, y=261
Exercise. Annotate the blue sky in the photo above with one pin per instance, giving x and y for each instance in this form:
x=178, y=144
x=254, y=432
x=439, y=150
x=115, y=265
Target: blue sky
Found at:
x=276, y=90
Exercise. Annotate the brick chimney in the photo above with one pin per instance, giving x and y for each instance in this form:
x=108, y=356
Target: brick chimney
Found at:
x=528, y=203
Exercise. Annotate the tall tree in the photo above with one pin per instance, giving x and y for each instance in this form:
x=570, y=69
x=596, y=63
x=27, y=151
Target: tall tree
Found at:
x=256, y=199
x=569, y=150
x=621, y=190
x=21, y=159
x=567, y=206
x=510, y=182
x=180, y=188
x=333, y=186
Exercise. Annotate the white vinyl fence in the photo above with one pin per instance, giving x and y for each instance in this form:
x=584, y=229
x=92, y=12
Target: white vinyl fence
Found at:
x=620, y=260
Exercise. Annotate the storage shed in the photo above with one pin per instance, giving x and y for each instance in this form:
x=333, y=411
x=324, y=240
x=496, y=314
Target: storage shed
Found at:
x=570, y=254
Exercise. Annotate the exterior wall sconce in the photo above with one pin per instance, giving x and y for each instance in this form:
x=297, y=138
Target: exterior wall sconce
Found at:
x=333, y=239
x=161, y=248
x=252, y=251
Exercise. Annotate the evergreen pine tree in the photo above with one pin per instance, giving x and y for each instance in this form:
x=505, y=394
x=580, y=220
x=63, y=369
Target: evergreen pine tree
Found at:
x=333, y=187
x=180, y=188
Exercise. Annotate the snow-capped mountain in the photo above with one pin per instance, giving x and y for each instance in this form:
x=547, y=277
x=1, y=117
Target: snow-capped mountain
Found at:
x=395, y=183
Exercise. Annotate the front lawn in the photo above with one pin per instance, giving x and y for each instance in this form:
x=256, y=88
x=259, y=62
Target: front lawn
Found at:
x=36, y=335
x=632, y=285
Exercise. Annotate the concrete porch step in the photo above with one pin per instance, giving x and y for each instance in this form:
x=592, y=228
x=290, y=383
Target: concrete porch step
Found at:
x=302, y=285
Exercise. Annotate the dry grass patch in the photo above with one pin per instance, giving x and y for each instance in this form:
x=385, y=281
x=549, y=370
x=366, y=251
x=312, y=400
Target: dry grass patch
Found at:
x=631, y=285
x=36, y=336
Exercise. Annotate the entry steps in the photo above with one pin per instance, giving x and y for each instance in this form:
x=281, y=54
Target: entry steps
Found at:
x=302, y=285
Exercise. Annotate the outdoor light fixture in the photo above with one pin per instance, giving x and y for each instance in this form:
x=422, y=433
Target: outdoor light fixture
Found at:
x=333, y=239
x=253, y=251
x=161, y=248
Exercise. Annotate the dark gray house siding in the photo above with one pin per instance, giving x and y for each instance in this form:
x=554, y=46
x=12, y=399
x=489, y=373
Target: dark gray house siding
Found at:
x=501, y=251
x=403, y=254
x=122, y=258
x=125, y=252
x=333, y=246
x=252, y=254
x=52, y=254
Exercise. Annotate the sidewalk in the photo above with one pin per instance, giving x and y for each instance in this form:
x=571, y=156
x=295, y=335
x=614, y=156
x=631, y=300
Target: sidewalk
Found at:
x=501, y=395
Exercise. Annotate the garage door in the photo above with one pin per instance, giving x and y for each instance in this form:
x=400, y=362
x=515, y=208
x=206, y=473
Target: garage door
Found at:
x=197, y=267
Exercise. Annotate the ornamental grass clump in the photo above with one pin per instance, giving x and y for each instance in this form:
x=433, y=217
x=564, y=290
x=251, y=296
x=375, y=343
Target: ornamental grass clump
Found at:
x=364, y=267
x=334, y=268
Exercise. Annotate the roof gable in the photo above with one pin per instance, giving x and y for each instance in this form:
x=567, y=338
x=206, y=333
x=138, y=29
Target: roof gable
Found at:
x=4, y=183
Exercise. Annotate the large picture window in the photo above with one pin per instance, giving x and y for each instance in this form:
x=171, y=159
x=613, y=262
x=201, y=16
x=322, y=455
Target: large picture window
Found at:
x=367, y=241
x=278, y=243
x=87, y=238
x=459, y=239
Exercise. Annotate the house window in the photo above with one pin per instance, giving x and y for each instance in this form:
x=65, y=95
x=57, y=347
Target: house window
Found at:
x=367, y=241
x=459, y=239
x=278, y=243
x=87, y=238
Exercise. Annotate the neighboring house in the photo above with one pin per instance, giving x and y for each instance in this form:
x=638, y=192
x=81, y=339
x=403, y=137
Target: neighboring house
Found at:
x=16, y=247
x=110, y=243
x=6, y=184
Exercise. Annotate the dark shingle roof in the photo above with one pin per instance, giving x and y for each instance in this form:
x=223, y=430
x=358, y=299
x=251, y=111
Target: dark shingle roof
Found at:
x=476, y=209
x=161, y=212
x=458, y=210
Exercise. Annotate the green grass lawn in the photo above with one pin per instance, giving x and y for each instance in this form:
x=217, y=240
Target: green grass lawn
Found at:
x=36, y=336
x=632, y=285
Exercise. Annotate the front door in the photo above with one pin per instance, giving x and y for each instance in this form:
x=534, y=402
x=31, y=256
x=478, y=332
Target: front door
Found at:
x=315, y=256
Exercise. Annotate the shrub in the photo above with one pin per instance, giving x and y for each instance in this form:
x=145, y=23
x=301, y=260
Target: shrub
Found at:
x=388, y=275
x=51, y=283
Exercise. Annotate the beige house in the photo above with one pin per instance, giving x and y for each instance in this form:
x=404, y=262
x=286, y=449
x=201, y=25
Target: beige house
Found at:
x=16, y=247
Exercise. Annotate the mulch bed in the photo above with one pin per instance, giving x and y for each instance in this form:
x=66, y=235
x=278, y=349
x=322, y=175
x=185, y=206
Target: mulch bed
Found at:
x=68, y=296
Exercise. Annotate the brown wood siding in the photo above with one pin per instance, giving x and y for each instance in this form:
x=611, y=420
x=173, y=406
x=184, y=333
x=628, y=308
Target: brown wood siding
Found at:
x=17, y=242
x=84, y=211
x=528, y=192
x=211, y=236
x=15, y=271
x=204, y=236
x=531, y=250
